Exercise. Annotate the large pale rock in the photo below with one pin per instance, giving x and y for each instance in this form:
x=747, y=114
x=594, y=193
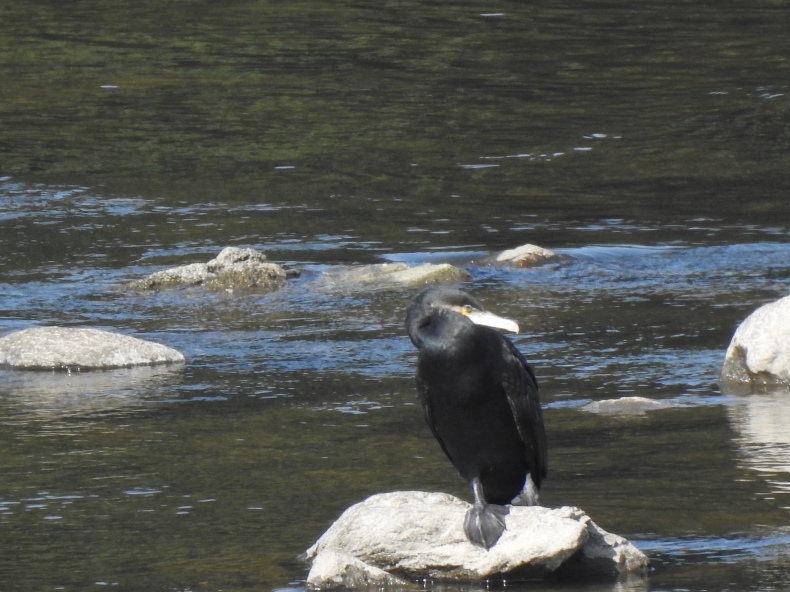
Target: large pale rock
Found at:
x=232, y=270
x=416, y=535
x=759, y=352
x=71, y=347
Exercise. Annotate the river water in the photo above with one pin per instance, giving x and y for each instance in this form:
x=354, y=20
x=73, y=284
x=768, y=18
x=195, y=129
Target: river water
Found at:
x=648, y=142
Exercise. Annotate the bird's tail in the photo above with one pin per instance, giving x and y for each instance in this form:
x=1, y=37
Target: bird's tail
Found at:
x=484, y=524
x=529, y=496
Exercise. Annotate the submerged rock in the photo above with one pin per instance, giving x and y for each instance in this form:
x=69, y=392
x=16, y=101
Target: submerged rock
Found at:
x=528, y=256
x=759, y=352
x=386, y=275
x=72, y=348
x=416, y=535
x=626, y=406
x=233, y=269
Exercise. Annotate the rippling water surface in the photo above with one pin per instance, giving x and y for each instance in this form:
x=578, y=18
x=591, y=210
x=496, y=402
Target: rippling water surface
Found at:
x=646, y=144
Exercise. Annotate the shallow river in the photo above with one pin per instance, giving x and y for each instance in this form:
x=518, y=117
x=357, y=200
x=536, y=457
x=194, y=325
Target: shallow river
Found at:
x=649, y=143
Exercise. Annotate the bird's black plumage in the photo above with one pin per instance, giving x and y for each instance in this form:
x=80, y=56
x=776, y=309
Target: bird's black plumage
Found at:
x=480, y=399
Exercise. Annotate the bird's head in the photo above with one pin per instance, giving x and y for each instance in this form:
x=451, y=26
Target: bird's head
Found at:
x=438, y=302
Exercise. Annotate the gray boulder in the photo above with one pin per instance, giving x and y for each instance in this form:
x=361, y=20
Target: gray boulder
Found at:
x=234, y=269
x=414, y=535
x=72, y=348
x=759, y=352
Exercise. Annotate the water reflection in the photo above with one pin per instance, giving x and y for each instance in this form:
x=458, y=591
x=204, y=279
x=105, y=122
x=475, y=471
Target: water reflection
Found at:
x=624, y=584
x=53, y=395
x=766, y=544
x=762, y=421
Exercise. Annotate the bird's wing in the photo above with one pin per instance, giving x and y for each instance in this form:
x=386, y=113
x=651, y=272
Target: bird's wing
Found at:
x=521, y=388
x=425, y=400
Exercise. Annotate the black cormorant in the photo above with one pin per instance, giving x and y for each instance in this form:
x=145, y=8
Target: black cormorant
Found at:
x=480, y=399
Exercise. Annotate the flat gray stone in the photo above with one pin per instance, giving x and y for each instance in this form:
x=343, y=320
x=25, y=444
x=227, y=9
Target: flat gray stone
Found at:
x=71, y=347
x=759, y=352
x=416, y=535
x=431, y=273
x=388, y=275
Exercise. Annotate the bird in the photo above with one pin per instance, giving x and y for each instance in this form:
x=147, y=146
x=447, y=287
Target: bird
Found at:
x=480, y=399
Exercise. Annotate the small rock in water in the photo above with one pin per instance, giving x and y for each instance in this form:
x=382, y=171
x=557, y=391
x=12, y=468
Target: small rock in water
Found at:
x=759, y=352
x=71, y=348
x=527, y=256
x=419, y=535
x=233, y=269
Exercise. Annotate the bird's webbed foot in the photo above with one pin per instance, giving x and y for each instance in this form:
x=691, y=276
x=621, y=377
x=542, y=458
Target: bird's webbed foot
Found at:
x=484, y=524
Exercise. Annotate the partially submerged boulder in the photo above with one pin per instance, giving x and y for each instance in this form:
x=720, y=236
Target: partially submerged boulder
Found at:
x=759, y=352
x=626, y=406
x=527, y=256
x=47, y=348
x=431, y=273
x=415, y=535
x=387, y=275
x=233, y=269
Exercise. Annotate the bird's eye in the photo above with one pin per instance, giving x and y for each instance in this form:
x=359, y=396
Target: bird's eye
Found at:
x=467, y=309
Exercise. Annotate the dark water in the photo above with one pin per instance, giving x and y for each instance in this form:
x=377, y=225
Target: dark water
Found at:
x=649, y=142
